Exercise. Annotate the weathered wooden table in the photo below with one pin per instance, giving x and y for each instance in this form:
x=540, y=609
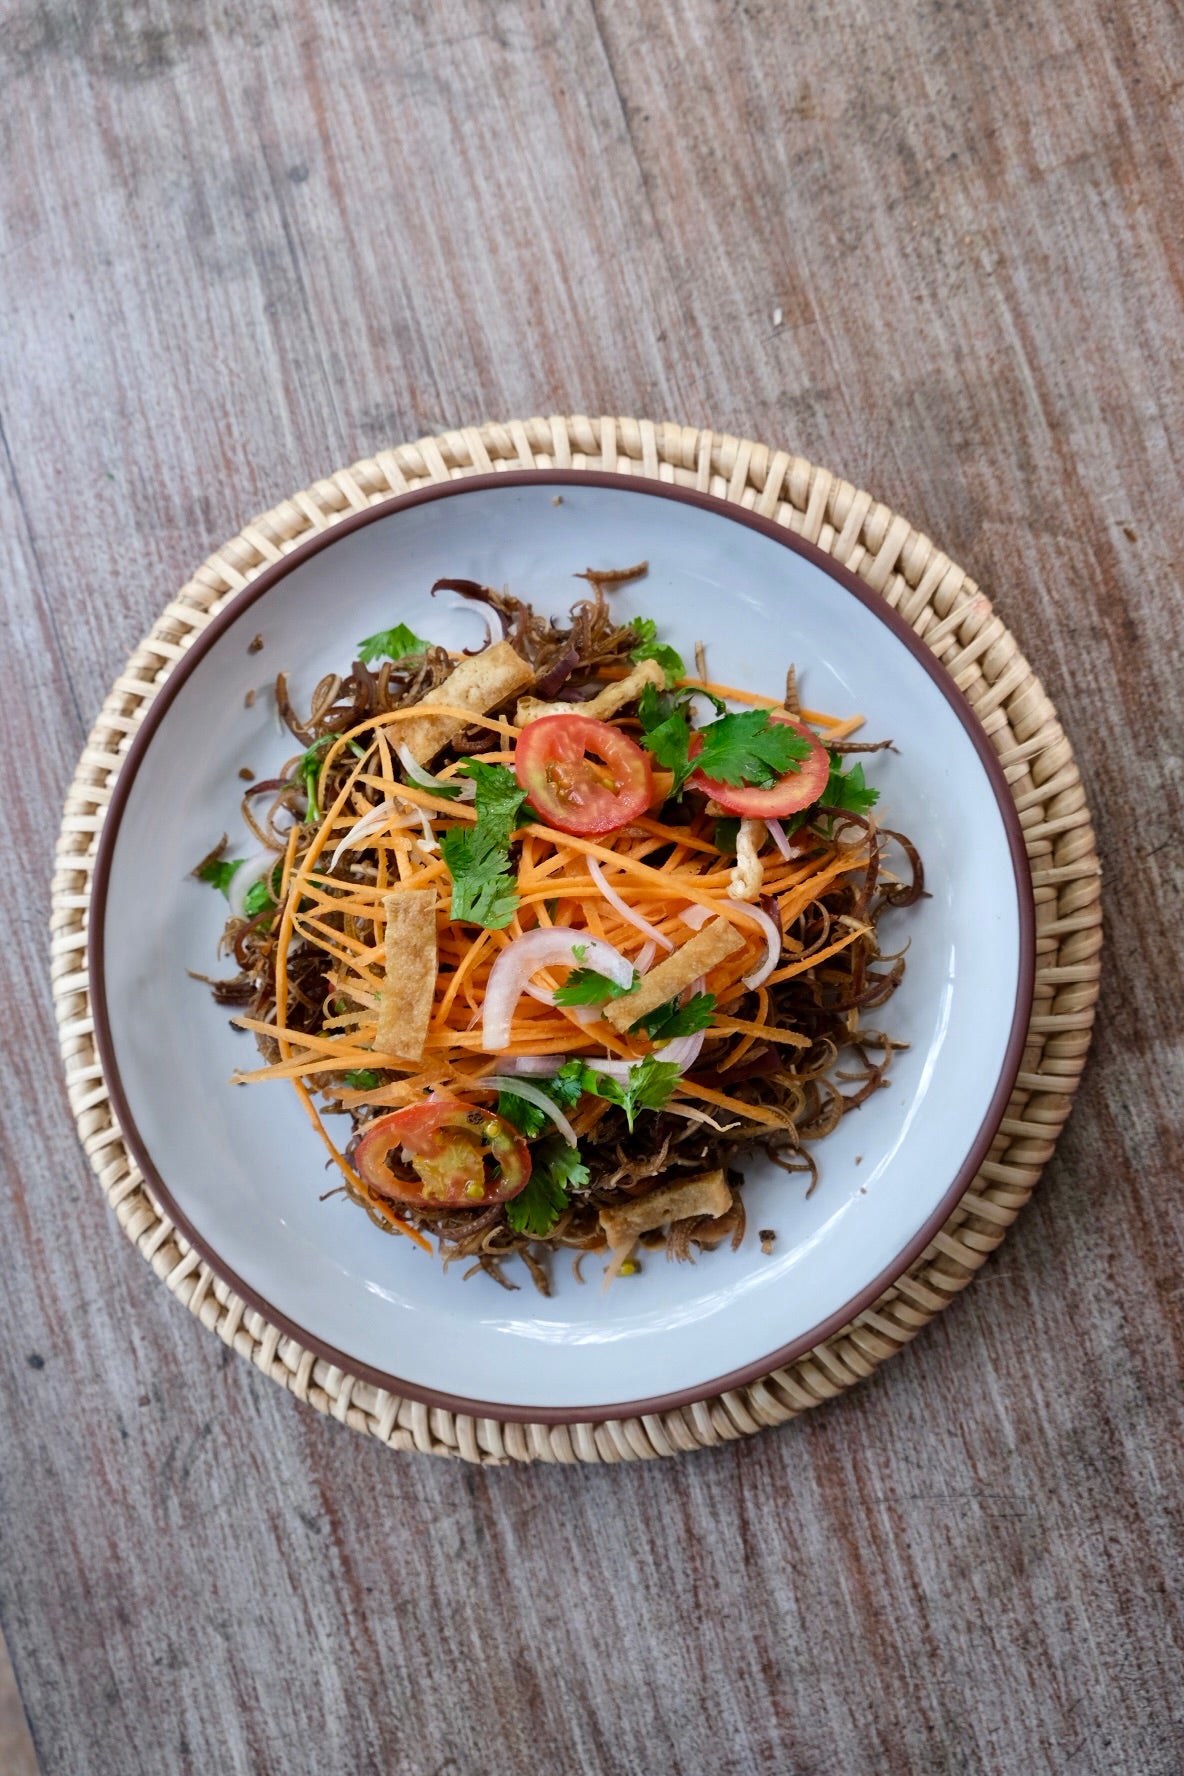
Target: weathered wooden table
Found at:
x=937, y=246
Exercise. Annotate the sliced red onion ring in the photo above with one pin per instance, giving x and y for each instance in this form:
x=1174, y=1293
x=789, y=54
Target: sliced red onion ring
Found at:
x=543, y=1066
x=777, y=834
x=417, y=774
x=772, y=931
x=697, y=916
x=623, y=907
x=537, y=949
x=513, y=1082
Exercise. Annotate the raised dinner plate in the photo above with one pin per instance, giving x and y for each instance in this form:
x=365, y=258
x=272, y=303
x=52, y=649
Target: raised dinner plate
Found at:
x=241, y=1171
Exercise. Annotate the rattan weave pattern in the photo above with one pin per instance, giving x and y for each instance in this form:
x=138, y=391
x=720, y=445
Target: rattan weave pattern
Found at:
x=944, y=607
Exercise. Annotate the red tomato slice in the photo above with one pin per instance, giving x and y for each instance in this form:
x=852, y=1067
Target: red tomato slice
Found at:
x=443, y=1154
x=793, y=792
x=581, y=775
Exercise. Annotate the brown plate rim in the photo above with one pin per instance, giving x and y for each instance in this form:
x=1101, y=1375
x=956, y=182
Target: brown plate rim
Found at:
x=1012, y=1055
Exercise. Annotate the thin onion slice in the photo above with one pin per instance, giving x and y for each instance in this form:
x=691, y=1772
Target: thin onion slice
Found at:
x=777, y=834
x=536, y=949
x=626, y=911
x=441, y=785
x=697, y=916
x=772, y=931
x=521, y=1088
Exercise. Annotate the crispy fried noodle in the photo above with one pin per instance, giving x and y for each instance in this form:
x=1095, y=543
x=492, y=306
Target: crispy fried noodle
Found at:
x=555, y=933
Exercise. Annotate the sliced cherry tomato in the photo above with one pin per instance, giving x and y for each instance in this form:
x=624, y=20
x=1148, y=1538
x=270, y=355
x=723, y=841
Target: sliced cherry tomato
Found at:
x=789, y=795
x=444, y=1154
x=581, y=775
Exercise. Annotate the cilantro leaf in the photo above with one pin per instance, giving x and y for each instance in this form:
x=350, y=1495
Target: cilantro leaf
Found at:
x=527, y=1118
x=667, y=1021
x=649, y=1086
x=556, y=1170
x=478, y=856
x=363, y=1079
x=258, y=896
x=847, y=789
x=727, y=833
x=566, y=1087
x=584, y=986
x=219, y=872
x=399, y=643
x=650, y=648
x=750, y=748
x=499, y=799
x=263, y=893
x=666, y=733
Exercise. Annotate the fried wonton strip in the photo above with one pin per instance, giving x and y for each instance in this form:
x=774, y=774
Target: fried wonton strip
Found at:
x=705, y=1194
x=603, y=704
x=479, y=684
x=405, y=1002
x=717, y=940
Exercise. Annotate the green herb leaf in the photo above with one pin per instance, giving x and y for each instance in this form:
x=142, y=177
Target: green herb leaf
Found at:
x=666, y=732
x=478, y=857
x=527, y=1118
x=567, y=1086
x=750, y=749
x=584, y=986
x=556, y=1169
x=650, y=648
x=727, y=833
x=363, y=1079
x=399, y=643
x=649, y=1086
x=667, y=1021
x=847, y=789
x=220, y=872
x=258, y=896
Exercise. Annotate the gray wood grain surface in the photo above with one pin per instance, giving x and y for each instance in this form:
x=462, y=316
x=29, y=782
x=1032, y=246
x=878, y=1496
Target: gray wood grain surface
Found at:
x=245, y=243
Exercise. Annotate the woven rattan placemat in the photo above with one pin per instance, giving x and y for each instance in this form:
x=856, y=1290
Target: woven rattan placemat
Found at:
x=945, y=608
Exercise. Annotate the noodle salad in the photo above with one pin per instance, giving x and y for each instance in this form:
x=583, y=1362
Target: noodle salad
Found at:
x=558, y=931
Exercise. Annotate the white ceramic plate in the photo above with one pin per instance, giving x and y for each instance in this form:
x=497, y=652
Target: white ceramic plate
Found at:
x=240, y=1169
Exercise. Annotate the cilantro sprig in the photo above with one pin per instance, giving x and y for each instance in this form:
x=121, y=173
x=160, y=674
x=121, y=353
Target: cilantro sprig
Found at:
x=846, y=789
x=478, y=856
x=650, y=648
x=846, y=792
x=667, y=1021
x=399, y=643
x=556, y=1170
x=648, y=1086
x=219, y=872
x=745, y=749
x=584, y=986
